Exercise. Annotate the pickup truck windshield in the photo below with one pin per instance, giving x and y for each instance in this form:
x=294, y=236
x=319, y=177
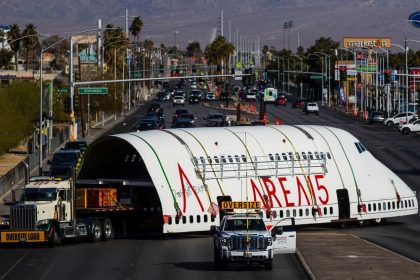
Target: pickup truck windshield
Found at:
x=47, y=194
x=240, y=224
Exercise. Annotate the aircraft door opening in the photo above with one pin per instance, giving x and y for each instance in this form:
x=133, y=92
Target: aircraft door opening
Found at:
x=343, y=204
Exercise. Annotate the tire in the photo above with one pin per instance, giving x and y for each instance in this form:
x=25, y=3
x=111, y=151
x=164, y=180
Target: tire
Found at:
x=405, y=131
x=389, y=124
x=55, y=239
x=96, y=231
x=269, y=265
x=317, y=113
x=107, y=230
x=379, y=221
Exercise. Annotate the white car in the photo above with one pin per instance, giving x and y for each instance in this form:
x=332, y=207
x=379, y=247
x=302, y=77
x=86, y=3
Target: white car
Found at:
x=410, y=127
x=400, y=118
x=178, y=100
x=311, y=108
x=210, y=96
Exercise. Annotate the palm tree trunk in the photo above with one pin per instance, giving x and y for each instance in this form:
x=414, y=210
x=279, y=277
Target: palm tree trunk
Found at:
x=27, y=60
x=16, y=61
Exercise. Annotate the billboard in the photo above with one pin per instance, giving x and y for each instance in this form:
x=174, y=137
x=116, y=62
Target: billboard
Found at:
x=366, y=42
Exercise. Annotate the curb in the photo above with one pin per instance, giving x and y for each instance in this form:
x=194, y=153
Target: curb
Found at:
x=305, y=265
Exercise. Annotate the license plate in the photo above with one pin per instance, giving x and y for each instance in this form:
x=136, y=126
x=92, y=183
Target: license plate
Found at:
x=22, y=236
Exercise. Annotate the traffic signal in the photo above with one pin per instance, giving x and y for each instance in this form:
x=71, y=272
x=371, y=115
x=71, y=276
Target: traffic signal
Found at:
x=387, y=76
x=343, y=73
x=67, y=105
x=359, y=78
x=247, y=80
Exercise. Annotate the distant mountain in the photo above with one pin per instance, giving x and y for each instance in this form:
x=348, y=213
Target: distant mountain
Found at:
x=194, y=19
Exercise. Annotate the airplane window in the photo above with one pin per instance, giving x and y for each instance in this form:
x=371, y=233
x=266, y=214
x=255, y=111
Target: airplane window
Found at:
x=290, y=155
x=243, y=158
x=198, y=219
x=284, y=156
x=322, y=155
x=316, y=155
x=274, y=213
x=325, y=211
x=393, y=205
x=398, y=205
x=202, y=160
x=278, y=157
x=170, y=221
x=358, y=147
x=304, y=155
x=184, y=219
x=306, y=212
x=287, y=213
x=331, y=210
x=133, y=158
x=212, y=218
x=223, y=159
x=216, y=159
x=176, y=220
x=300, y=212
x=369, y=208
x=406, y=204
x=281, y=213
x=379, y=206
x=209, y=160
x=237, y=158
x=310, y=155
x=191, y=219
x=362, y=147
x=126, y=158
x=230, y=159
x=205, y=218
x=271, y=156
x=374, y=207
x=389, y=205
x=297, y=156
x=294, y=212
x=328, y=155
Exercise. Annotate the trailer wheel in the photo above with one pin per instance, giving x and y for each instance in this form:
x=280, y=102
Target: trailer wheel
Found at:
x=107, y=230
x=268, y=265
x=96, y=231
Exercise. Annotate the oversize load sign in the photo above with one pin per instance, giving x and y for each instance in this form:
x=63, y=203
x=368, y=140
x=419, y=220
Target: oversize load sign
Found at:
x=240, y=205
x=366, y=42
x=22, y=236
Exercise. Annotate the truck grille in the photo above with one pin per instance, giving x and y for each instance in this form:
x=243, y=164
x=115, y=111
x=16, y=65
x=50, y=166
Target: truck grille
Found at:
x=23, y=217
x=238, y=242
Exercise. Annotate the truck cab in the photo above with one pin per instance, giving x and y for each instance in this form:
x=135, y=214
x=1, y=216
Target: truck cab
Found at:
x=245, y=238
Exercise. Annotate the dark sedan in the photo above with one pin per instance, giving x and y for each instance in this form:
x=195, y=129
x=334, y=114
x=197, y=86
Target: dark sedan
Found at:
x=298, y=104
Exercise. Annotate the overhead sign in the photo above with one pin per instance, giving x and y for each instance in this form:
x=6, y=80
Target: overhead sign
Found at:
x=240, y=205
x=366, y=42
x=62, y=90
x=414, y=19
x=97, y=90
x=87, y=55
x=315, y=77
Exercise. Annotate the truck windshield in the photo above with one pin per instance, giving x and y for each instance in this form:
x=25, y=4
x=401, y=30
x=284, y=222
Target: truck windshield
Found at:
x=240, y=224
x=47, y=194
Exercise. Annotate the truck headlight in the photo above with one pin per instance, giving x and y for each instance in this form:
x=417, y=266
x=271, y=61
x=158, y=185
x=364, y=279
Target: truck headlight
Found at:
x=269, y=241
x=42, y=222
x=5, y=222
x=224, y=241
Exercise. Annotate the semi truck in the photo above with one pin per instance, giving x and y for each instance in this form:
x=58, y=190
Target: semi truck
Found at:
x=52, y=210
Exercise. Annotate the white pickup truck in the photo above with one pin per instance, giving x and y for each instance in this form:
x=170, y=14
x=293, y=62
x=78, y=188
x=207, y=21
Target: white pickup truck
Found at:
x=245, y=238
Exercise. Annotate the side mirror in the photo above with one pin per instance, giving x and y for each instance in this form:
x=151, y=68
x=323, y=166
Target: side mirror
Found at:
x=213, y=229
x=277, y=231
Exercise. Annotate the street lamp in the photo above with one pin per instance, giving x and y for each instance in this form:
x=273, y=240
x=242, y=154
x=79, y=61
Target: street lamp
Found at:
x=176, y=46
x=278, y=72
x=301, y=70
x=405, y=48
x=328, y=76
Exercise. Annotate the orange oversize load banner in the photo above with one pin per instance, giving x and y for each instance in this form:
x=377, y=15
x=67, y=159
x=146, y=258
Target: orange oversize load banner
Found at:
x=22, y=236
x=366, y=42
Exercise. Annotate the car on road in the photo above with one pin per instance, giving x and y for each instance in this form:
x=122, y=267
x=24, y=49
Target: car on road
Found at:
x=210, y=96
x=281, y=100
x=183, y=123
x=400, y=118
x=80, y=145
x=410, y=127
x=298, y=104
x=63, y=161
x=155, y=115
x=194, y=99
x=154, y=107
x=215, y=119
x=376, y=117
x=162, y=96
x=223, y=95
x=241, y=93
x=148, y=124
x=187, y=116
x=311, y=107
x=178, y=100
x=178, y=113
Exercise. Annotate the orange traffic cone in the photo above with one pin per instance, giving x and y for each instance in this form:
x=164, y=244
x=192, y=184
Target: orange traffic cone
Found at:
x=277, y=121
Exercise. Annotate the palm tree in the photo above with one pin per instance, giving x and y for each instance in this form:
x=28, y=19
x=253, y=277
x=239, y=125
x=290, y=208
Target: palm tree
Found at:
x=29, y=42
x=12, y=36
x=2, y=38
x=115, y=39
x=135, y=27
x=219, y=51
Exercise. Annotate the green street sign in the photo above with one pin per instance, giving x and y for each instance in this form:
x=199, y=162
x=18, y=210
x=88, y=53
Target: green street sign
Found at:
x=62, y=90
x=97, y=90
x=315, y=77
